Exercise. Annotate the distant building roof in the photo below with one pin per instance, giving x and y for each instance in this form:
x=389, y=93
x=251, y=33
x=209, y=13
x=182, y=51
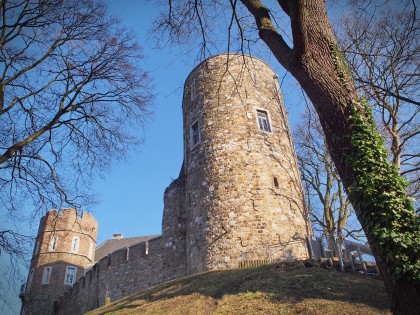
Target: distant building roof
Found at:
x=117, y=242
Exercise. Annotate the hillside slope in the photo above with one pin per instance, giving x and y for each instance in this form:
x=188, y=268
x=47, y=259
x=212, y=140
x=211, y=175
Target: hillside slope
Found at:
x=287, y=288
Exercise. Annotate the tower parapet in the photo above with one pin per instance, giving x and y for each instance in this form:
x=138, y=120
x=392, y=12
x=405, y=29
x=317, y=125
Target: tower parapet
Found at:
x=64, y=246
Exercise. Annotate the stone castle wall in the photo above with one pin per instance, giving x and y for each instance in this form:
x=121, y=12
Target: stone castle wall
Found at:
x=120, y=274
x=135, y=268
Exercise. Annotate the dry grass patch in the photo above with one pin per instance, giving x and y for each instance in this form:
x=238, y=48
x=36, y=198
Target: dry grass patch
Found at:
x=286, y=288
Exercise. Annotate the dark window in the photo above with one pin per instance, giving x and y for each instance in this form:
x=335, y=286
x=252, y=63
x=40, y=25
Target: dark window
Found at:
x=263, y=122
x=75, y=244
x=53, y=243
x=46, y=276
x=276, y=182
x=127, y=253
x=195, y=134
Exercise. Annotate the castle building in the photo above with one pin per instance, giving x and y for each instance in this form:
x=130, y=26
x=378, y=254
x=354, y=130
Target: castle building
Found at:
x=238, y=200
x=64, y=247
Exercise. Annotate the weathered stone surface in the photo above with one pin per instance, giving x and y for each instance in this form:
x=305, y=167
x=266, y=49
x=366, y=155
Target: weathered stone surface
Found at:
x=244, y=192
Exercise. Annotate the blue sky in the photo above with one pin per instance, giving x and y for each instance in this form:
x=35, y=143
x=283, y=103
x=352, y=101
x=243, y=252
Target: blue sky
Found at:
x=132, y=194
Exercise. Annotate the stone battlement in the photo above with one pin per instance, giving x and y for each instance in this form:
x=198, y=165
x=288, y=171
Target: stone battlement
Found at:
x=121, y=273
x=68, y=219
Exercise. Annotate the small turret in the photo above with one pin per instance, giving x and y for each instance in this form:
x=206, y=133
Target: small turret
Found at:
x=64, y=246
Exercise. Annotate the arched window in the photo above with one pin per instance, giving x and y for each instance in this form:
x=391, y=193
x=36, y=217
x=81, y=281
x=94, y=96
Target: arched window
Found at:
x=75, y=245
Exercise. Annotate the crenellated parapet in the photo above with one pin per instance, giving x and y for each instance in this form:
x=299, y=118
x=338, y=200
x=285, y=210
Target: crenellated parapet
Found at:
x=119, y=274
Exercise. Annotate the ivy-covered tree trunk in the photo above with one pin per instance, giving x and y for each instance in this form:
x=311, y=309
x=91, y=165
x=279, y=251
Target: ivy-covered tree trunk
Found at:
x=375, y=188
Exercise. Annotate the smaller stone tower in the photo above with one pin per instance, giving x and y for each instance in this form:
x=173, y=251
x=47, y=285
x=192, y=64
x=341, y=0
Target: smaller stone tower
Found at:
x=65, y=245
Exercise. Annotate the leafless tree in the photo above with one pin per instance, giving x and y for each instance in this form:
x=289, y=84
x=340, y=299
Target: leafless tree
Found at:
x=382, y=46
x=311, y=55
x=330, y=209
x=72, y=96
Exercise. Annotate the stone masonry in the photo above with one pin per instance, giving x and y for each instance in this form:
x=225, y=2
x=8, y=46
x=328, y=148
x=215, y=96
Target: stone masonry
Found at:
x=243, y=196
x=238, y=199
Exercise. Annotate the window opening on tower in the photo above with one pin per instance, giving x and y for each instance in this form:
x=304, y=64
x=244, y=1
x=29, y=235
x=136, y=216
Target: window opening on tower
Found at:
x=46, y=275
x=70, y=277
x=195, y=134
x=75, y=245
x=53, y=243
x=38, y=244
x=263, y=121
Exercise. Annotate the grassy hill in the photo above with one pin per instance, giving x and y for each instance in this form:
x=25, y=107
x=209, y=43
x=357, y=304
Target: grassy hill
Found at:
x=286, y=288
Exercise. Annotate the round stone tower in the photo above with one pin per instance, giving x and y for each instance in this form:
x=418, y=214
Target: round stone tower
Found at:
x=244, y=200
x=65, y=245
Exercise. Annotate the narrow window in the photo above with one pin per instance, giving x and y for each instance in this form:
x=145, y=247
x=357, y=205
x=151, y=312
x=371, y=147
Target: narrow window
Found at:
x=46, y=276
x=255, y=78
x=70, y=277
x=31, y=276
x=53, y=243
x=195, y=134
x=75, y=245
x=127, y=254
x=38, y=244
x=276, y=182
x=90, y=254
x=263, y=122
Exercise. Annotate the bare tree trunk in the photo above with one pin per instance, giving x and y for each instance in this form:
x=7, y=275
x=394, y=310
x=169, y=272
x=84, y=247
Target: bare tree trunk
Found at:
x=321, y=71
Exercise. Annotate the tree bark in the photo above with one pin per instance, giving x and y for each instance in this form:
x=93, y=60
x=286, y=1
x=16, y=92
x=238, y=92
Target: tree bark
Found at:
x=321, y=71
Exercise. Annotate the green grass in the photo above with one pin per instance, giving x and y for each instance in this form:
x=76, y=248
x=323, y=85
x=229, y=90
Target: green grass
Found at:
x=286, y=288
